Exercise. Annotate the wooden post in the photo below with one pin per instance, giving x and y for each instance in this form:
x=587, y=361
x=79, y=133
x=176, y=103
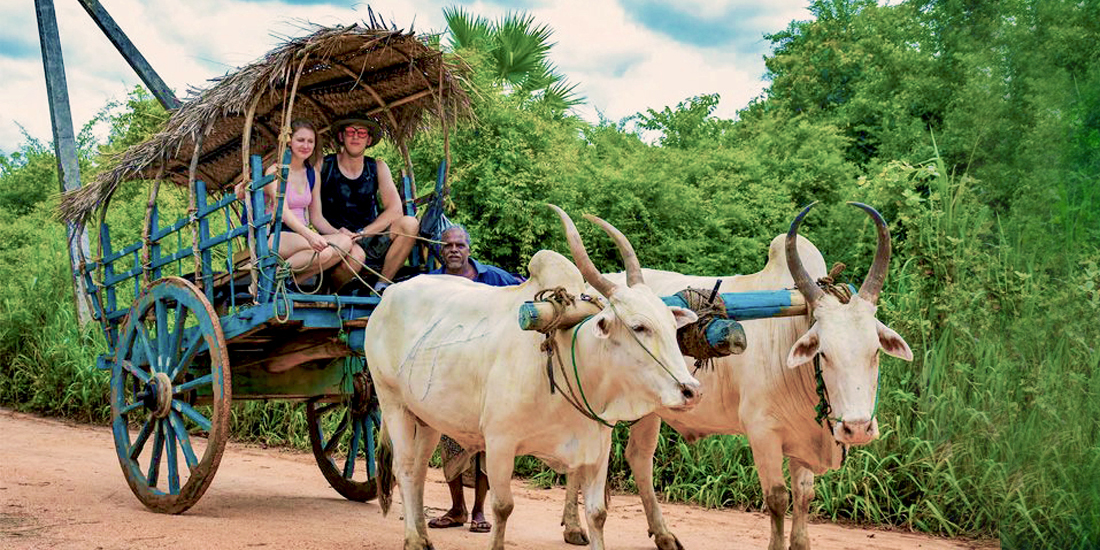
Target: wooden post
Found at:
x=137, y=61
x=64, y=142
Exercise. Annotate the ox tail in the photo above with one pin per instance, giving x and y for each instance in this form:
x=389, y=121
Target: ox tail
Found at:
x=385, y=479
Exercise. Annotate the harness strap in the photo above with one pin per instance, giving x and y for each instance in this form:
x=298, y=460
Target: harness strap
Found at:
x=550, y=346
x=577, y=375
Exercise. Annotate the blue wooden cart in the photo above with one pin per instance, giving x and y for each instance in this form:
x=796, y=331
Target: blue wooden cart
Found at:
x=197, y=312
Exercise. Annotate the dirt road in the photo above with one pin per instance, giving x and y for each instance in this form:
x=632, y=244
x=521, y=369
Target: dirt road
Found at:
x=61, y=487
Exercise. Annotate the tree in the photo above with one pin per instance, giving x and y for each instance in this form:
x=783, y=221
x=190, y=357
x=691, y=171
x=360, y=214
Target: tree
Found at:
x=517, y=50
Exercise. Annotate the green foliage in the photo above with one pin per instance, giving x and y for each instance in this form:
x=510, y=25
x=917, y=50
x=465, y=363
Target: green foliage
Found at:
x=29, y=176
x=973, y=128
x=133, y=121
x=690, y=126
x=48, y=361
x=514, y=52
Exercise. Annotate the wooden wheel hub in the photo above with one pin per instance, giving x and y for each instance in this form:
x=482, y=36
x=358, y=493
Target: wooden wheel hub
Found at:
x=158, y=395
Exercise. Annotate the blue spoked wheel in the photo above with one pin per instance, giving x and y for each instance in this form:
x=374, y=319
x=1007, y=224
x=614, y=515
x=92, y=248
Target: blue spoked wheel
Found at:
x=170, y=396
x=343, y=435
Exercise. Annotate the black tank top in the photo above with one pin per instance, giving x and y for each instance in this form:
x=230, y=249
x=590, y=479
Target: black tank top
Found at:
x=349, y=203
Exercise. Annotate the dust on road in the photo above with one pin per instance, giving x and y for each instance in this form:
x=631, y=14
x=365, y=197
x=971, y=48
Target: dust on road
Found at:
x=61, y=487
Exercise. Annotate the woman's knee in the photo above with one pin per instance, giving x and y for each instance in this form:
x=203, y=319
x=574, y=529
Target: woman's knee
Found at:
x=342, y=241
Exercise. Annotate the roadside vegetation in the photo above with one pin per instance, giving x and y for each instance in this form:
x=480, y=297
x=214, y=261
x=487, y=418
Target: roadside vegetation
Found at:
x=974, y=129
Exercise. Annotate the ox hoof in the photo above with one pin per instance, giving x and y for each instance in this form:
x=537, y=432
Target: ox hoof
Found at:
x=418, y=545
x=576, y=537
x=668, y=541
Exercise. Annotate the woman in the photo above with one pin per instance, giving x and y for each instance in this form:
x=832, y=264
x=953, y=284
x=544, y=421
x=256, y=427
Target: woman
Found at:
x=307, y=251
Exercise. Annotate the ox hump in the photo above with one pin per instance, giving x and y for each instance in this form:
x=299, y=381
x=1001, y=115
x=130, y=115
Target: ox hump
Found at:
x=550, y=269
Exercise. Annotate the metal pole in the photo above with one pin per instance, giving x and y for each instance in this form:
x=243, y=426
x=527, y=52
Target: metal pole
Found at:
x=64, y=142
x=130, y=52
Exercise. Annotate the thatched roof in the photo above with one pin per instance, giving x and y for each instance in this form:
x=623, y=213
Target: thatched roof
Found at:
x=394, y=76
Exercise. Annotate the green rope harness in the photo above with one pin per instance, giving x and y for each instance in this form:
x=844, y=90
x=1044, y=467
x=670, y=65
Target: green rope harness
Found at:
x=577, y=375
x=650, y=353
x=823, y=408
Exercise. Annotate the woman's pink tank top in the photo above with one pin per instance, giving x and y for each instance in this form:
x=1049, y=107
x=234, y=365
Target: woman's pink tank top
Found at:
x=298, y=202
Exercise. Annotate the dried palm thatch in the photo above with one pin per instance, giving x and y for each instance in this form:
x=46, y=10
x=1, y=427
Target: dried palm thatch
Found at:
x=395, y=77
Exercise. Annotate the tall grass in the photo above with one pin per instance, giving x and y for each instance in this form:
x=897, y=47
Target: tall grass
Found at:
x=993, y=430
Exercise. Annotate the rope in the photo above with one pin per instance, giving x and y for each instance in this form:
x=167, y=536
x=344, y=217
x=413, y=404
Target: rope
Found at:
x=844, y=294
x=576, y=374
x=828, y=284
x=708, y=306
x=283, y=271
x=559, y=299
x=345, y=256
x=650, y=353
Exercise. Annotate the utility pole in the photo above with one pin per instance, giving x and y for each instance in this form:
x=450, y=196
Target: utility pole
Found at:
x=64, y=143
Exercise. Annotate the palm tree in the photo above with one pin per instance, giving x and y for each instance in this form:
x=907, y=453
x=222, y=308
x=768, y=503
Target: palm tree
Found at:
x=518, y=49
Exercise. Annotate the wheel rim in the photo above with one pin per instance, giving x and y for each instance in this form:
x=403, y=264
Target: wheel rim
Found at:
x=343, y=436
x=157, y=382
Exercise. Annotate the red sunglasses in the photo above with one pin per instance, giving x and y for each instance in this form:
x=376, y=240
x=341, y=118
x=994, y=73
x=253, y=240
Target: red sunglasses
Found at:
x=352, y=132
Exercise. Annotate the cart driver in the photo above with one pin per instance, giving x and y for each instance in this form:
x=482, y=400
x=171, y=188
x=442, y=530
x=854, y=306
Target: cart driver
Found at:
x=359, y=199
x=458, y=464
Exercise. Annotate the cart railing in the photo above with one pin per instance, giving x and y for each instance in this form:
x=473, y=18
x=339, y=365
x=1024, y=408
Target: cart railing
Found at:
x=218, y=235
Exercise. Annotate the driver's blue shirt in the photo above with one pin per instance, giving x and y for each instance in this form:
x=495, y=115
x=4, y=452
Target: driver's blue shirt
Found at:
x=490, y=275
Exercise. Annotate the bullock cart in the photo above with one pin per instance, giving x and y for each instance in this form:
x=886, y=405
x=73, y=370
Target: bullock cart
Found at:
x=201, y=311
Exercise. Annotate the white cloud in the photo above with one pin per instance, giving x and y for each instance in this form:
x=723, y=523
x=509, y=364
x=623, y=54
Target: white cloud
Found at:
x=620, y=66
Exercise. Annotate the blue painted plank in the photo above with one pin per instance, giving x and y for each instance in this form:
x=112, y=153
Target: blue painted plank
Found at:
x=204, y=234
x=763, y=304
x=163, y=232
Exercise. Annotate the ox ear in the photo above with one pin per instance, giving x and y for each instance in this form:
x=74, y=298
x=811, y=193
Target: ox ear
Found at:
x=683, y=316
x=892, y=343
x=804, y=349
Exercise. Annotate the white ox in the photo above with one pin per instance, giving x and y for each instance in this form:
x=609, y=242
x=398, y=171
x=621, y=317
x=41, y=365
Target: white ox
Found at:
x=770, y=394
x=448, y=355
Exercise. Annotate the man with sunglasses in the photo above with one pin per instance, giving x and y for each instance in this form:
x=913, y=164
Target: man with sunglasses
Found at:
x=359, y=199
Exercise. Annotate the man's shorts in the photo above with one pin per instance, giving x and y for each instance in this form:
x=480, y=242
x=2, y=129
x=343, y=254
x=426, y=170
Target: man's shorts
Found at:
x=375, y=247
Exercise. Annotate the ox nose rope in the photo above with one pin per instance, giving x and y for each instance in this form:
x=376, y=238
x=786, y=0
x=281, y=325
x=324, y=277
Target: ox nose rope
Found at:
x=650, y=353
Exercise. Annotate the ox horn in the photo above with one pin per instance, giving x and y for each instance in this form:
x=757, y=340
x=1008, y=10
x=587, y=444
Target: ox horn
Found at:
x=580, y=256
x=630, y=259
x=806, y=286
x=876, y=276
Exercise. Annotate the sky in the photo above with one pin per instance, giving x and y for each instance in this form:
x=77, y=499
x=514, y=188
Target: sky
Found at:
x=626, y=56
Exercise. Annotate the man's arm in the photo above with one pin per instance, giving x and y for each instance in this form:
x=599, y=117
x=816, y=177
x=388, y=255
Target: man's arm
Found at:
x=391, y=201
